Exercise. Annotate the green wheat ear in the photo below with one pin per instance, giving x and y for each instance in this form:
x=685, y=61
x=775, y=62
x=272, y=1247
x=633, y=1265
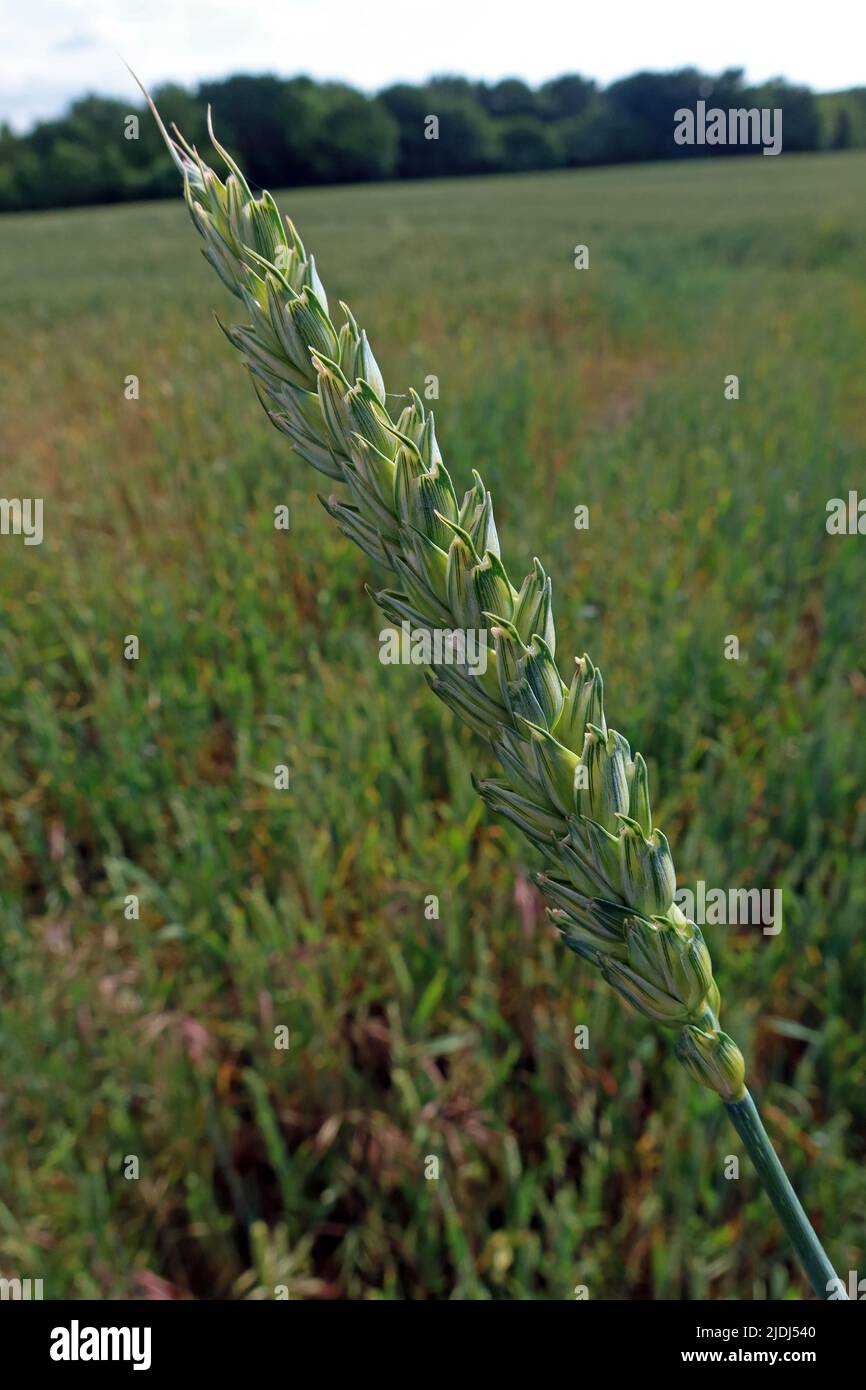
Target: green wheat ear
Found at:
x=569, y=782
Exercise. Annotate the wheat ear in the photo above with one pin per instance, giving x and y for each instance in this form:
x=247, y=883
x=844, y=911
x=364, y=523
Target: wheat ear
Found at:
x=569, y=782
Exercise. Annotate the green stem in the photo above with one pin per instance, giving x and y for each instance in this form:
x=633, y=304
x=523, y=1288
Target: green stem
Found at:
x=748, y=1124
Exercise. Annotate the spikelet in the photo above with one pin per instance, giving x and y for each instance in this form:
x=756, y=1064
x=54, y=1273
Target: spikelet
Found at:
x=570, y=783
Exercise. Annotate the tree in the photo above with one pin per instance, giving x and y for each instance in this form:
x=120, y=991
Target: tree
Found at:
x=601, y=135
x=511, y=97
x=176, y=106
x=528, y=143
x=842, y=130
x=449, y=85
x=268, y=121
x=801, y=123
x=78, y=173
x=355, y=138
x=442, y=130
x=565, y=97
x=409, y=108
x=296, y=131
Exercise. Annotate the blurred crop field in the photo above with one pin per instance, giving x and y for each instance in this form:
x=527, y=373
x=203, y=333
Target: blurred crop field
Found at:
x=412, y=1038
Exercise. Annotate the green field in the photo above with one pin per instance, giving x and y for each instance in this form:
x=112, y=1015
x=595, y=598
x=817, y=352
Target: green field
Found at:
x=411, y=1038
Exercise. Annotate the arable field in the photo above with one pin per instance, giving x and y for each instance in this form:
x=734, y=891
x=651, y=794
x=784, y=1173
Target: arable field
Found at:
x=155, y=1141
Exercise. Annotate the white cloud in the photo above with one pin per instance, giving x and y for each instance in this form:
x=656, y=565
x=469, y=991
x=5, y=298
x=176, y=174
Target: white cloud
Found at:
x=54, y=50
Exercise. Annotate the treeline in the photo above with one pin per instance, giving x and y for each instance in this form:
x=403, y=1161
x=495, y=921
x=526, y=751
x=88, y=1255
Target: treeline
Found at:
x=297, y=131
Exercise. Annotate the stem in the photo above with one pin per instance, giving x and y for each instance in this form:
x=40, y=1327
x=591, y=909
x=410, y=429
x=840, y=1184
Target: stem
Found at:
x=810, y=1252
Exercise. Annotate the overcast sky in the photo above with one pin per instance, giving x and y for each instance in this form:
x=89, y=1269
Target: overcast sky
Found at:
x=54, y=50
